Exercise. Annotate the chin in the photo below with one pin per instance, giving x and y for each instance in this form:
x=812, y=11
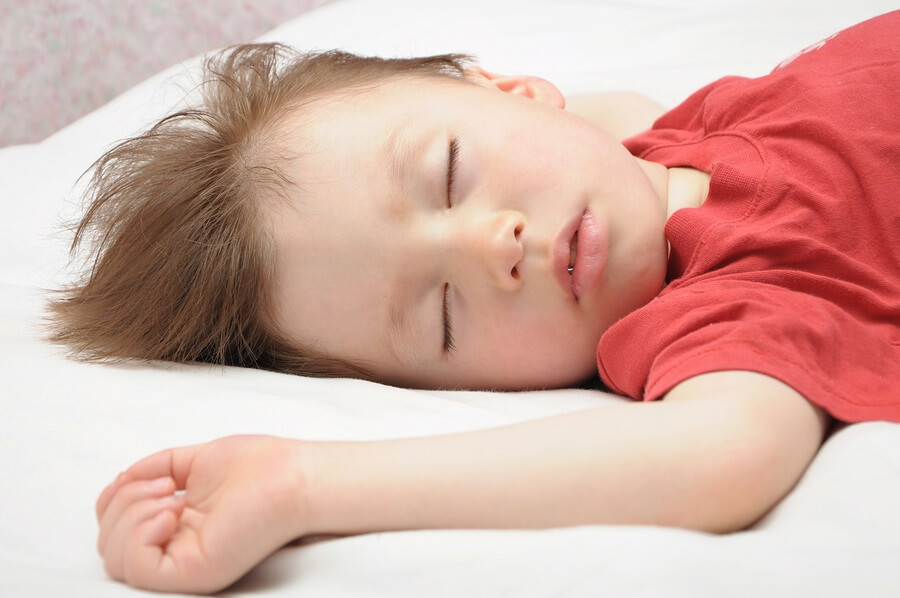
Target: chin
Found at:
x=568, y=375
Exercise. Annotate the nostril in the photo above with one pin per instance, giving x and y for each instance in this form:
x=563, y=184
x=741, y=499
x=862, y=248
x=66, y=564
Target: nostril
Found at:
x=517, y=231
x=514, y=273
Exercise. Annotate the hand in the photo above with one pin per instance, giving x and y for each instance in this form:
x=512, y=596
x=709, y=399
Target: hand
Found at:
x=242, y=500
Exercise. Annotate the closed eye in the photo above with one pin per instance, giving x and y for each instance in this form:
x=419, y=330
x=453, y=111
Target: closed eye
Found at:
x=449, y=346
x=452, y=156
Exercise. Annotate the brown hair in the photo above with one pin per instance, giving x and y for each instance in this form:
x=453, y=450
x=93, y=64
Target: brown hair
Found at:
x=180, y=265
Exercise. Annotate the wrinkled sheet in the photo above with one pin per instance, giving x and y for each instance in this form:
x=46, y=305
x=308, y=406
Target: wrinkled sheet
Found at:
x=68, y=427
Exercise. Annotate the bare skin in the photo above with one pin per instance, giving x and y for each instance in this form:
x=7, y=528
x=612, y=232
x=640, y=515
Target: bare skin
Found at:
x=726, y=447
x=715, y=455
x=383, y=257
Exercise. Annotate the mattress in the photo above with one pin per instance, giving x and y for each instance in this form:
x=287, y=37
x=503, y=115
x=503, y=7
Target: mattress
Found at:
x=69, y=427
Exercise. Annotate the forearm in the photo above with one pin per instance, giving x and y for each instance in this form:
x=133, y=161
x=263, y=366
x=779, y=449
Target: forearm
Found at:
x=691, y=464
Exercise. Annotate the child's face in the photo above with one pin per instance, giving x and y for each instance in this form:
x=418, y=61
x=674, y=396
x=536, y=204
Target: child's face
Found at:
x=370, y=257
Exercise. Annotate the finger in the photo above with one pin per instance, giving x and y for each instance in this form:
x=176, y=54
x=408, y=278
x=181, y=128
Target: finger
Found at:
x=106, y=495
x=143, y=565
x=174, y=463
x=137, y=513
x=124, y=498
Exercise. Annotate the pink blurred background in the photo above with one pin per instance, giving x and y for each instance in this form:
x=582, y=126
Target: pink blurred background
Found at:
x=60, y=59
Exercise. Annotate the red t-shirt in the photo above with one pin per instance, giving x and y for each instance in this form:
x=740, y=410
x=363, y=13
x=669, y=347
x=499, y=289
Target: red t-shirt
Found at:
x=791, y=267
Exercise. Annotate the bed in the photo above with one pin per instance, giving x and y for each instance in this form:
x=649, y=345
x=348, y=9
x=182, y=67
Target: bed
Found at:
x=69, y=427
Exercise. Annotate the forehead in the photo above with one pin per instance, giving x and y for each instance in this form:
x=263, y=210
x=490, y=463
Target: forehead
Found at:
x=376, y=109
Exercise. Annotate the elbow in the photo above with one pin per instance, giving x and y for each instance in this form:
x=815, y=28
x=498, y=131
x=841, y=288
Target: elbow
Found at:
x=752, y=438
x=755, y=465
x=743, y=491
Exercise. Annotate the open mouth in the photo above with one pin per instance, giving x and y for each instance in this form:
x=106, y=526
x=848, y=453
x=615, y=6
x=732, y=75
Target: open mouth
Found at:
x=573, y=248
x=579, y=255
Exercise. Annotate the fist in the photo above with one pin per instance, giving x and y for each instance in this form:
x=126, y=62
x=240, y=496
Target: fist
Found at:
x=196, y=518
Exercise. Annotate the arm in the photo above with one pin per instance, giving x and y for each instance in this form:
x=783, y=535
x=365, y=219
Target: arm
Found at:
x=719, y=452
x=621, y=114
x=716, y=455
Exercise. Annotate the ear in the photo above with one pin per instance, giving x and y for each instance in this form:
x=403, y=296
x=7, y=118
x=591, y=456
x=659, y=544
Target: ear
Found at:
x=523, y=85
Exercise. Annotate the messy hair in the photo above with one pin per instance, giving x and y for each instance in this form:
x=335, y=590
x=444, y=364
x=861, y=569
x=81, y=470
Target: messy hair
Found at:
x=179, y=263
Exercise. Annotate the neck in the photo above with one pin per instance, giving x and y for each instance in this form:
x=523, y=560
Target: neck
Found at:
x=678, y=187
x=686, y=188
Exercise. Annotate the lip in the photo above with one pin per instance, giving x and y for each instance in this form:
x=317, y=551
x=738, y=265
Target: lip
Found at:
x=590, y=261
x=561, y=256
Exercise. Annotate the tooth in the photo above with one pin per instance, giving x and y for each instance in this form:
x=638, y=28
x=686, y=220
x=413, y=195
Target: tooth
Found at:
x=573, y=247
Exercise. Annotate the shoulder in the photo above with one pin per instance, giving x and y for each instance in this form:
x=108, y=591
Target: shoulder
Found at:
x=733, y=384
x=621, y=114
x=760, y=399
x=761, y=427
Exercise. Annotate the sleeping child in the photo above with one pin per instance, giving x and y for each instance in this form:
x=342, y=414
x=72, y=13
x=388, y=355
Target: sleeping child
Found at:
x=733, y=266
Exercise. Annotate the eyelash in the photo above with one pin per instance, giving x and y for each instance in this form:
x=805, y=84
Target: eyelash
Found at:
x=449, y=345
x=451, y=169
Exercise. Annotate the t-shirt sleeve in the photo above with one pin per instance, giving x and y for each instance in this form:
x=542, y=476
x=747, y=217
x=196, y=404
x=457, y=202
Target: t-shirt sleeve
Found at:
x=744, y=325
x=679, y=125
x=790, y=268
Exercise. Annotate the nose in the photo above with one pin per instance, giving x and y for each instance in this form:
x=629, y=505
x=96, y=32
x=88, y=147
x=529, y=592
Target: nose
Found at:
x=495, y=244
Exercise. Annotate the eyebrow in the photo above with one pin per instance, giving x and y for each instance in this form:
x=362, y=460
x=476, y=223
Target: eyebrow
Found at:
x=404, y=158
x=404, y=153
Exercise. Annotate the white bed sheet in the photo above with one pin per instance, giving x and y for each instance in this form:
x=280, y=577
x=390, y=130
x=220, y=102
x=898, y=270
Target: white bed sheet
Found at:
x=68, y=428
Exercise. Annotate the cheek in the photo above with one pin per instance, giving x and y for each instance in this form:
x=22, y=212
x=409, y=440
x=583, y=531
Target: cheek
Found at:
x=525, y=156
x=539, y=354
